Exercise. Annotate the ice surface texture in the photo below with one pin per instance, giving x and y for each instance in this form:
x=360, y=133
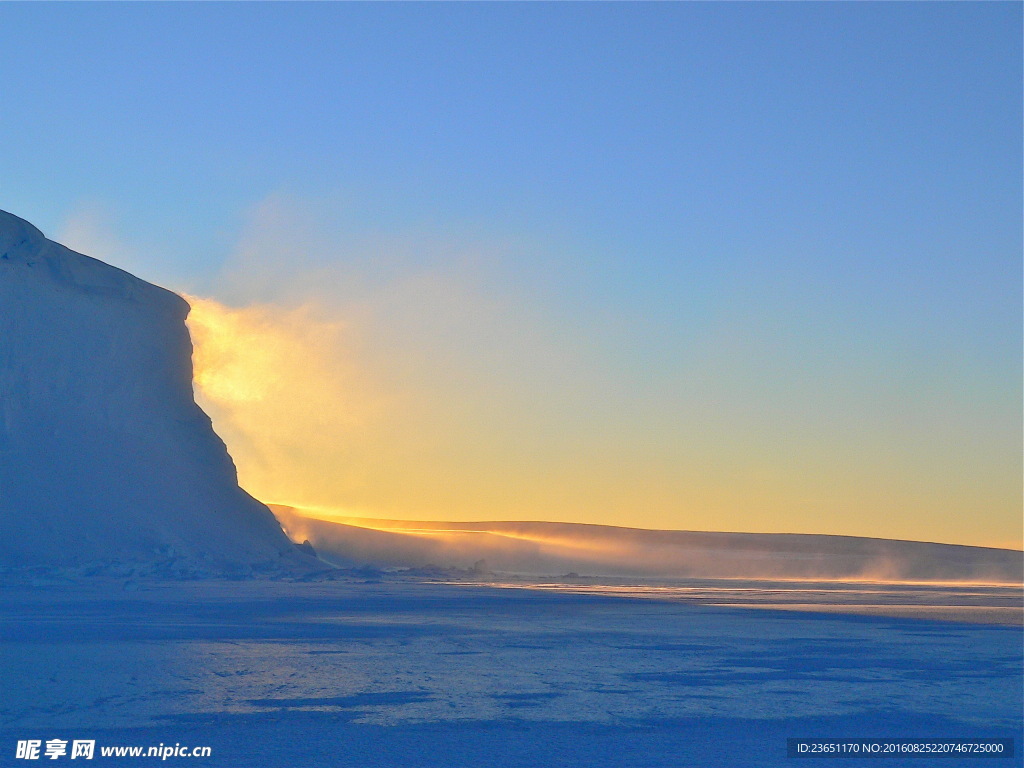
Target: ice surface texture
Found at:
x=341, y=674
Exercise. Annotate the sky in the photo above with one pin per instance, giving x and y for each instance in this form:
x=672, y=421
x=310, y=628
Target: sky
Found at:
x=701, y=266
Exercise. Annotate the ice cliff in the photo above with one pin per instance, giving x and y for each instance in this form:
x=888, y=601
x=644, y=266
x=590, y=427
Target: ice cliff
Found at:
x=104, y=455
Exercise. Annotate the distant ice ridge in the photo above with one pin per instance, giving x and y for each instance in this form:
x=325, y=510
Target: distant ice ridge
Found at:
x=540, y=548
x=105, y=458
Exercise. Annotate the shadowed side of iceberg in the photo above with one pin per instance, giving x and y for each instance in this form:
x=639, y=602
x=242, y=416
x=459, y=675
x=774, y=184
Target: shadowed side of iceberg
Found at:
x=104, y=455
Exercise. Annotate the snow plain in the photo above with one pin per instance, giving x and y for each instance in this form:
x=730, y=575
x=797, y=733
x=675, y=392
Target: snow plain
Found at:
x=523, y=547
x=380, y=669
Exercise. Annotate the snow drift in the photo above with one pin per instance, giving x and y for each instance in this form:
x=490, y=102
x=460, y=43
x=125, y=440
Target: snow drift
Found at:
x=540, y=548
x=104, y=455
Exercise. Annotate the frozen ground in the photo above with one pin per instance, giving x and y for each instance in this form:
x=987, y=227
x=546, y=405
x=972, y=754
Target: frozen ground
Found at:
x=403, y=673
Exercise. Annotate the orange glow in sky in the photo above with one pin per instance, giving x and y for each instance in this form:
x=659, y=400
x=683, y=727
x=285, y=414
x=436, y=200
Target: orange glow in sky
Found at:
x=374, y=420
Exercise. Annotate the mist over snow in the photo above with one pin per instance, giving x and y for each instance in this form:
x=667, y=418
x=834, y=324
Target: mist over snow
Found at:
x=542, y=548
x=104, y=455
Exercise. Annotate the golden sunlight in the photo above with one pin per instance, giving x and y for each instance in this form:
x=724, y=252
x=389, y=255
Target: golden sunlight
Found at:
x=283, y=391
x=236, y=355
x=334, y=407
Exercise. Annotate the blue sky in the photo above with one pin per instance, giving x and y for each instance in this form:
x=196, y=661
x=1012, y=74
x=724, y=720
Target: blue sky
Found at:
x=813, y=209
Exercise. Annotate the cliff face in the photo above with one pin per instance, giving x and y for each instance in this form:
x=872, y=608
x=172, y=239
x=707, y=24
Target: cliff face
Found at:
x=104, y=454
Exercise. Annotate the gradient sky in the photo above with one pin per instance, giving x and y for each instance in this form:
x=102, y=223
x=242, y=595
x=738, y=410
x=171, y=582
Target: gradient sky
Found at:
x=703, y=266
